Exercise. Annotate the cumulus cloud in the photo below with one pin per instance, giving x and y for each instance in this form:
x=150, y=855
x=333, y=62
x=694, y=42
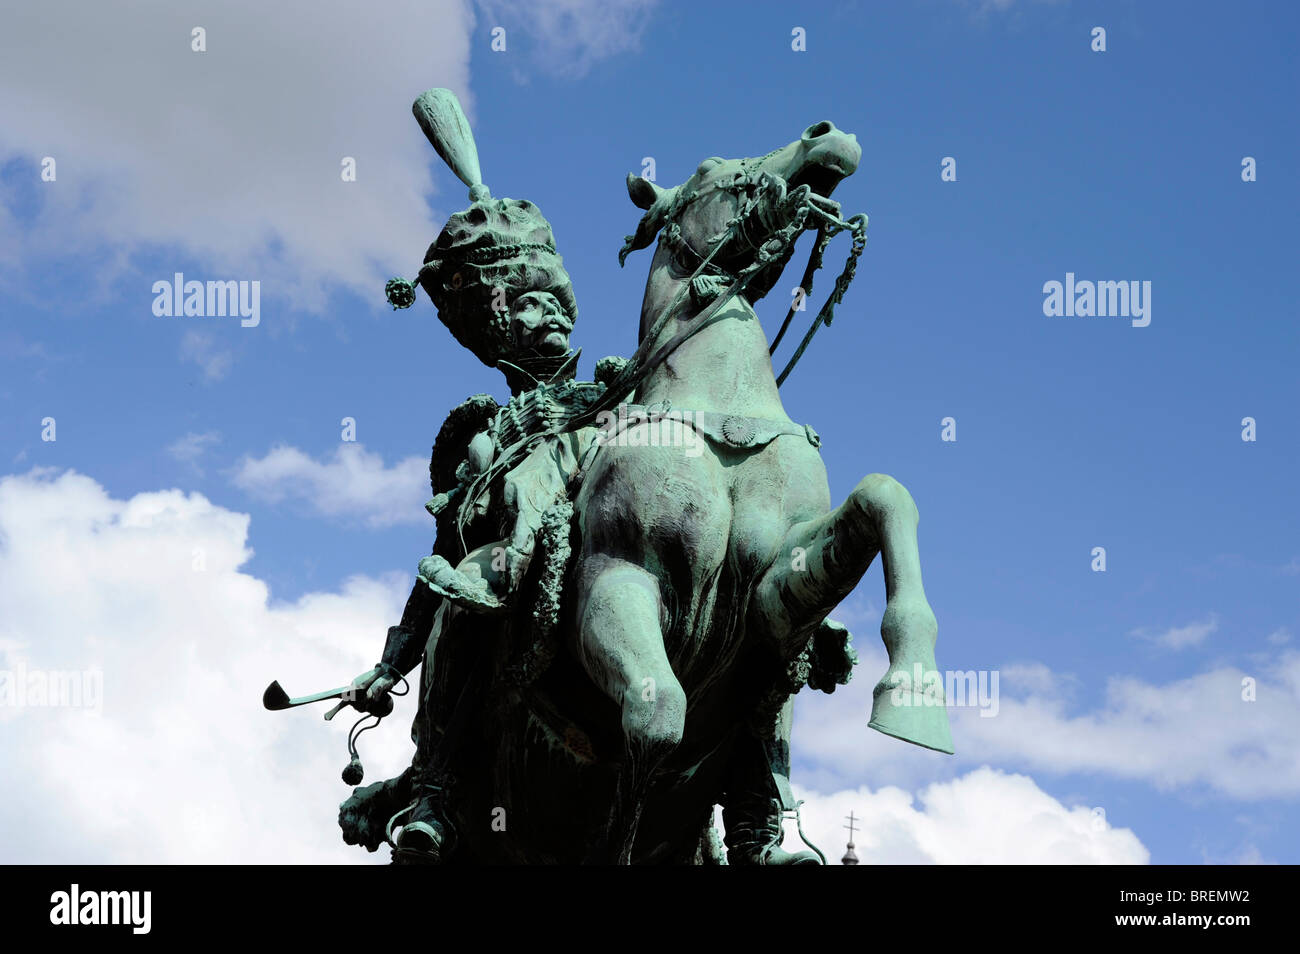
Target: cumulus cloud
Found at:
x=1226, y=730
x=1206, y=730
x=231, y=157
x=352, y=484
x=983, y=817
x=181, y=763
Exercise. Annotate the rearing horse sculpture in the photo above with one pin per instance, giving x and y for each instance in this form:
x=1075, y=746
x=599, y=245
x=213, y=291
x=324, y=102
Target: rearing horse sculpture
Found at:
x=687, y=561
x=598, y=700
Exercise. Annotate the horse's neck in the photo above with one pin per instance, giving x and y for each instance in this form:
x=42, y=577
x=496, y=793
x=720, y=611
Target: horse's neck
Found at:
x=723, y=367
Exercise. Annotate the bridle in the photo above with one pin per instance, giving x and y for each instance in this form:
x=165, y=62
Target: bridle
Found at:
x=712, y=285
x=742, y=185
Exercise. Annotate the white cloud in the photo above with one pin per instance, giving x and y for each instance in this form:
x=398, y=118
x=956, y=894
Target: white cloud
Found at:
x=183, y=764
x=1191, y=732
x=983, y=817
x=353, y=484
x=1194, y=733
x=1180, y=637
x=191, y=448
x=567, y=37
x=202, y=348
x=233, y=155
x=1034, y=677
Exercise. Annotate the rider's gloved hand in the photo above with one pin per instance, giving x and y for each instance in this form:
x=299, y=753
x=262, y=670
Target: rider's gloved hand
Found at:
x=371, y=689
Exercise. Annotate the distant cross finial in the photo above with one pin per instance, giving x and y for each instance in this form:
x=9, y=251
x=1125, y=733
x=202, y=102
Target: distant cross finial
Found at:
x=850, y=856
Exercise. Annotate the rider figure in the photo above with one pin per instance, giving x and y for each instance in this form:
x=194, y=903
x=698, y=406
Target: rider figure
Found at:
x=501, y=289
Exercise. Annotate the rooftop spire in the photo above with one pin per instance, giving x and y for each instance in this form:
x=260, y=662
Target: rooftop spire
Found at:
x=850, y=856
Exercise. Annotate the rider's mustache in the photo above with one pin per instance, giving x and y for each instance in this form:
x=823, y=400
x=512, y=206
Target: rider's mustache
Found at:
x=551, y=324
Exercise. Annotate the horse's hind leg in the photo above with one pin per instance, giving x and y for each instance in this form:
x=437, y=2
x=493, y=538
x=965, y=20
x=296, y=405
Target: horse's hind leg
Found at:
x=620, y=643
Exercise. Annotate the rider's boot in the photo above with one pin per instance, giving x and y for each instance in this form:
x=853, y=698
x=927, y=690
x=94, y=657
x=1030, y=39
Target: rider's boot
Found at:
x=752, y=822
x=427, y=836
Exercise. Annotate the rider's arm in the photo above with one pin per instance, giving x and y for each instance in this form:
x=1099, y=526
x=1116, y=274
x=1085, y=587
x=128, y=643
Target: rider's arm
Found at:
x=405, y=644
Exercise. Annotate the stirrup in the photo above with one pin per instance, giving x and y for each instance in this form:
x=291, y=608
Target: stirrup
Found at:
x=388, y=829
x=444, y=835
x=798, y=824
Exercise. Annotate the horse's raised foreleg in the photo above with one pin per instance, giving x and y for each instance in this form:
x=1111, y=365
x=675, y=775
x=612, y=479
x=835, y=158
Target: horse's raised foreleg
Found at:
x=821, y=562
x=620, y=644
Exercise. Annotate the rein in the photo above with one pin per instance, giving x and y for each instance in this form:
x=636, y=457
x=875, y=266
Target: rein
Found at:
x=857, y=225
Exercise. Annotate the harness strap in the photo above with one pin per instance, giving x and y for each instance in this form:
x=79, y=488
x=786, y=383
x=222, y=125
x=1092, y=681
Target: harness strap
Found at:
x=730, y=430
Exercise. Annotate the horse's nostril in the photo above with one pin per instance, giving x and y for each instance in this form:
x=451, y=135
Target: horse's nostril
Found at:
x=818, y=129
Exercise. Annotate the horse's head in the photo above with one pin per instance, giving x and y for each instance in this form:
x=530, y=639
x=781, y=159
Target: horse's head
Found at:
x=694, y=216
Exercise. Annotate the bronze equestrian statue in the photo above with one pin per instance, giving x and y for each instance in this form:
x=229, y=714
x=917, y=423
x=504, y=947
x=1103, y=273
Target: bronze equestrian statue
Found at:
x=632, y=576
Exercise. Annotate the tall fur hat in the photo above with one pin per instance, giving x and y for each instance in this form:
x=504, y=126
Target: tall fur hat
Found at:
x=484, y=257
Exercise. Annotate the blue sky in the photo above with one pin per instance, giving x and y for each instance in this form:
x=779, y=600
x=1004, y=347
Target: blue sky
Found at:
x=1121, y=689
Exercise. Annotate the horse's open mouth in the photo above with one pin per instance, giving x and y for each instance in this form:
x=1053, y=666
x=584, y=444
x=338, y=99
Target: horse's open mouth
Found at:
x=822, y=177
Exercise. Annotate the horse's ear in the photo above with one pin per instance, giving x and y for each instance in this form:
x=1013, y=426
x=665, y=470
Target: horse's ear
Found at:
x=655, y=202
x=642, y=191
x=658, y=201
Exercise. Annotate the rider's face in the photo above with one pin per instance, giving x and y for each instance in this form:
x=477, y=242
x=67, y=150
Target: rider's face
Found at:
x=538, y=323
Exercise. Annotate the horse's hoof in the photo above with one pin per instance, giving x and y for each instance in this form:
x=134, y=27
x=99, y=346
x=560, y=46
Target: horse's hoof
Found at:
x=908, y=703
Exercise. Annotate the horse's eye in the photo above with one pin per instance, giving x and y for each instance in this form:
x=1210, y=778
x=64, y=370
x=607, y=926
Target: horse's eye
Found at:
x=708, y=165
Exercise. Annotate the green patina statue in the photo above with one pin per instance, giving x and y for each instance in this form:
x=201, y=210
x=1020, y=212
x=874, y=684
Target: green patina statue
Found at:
x=632, y=576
